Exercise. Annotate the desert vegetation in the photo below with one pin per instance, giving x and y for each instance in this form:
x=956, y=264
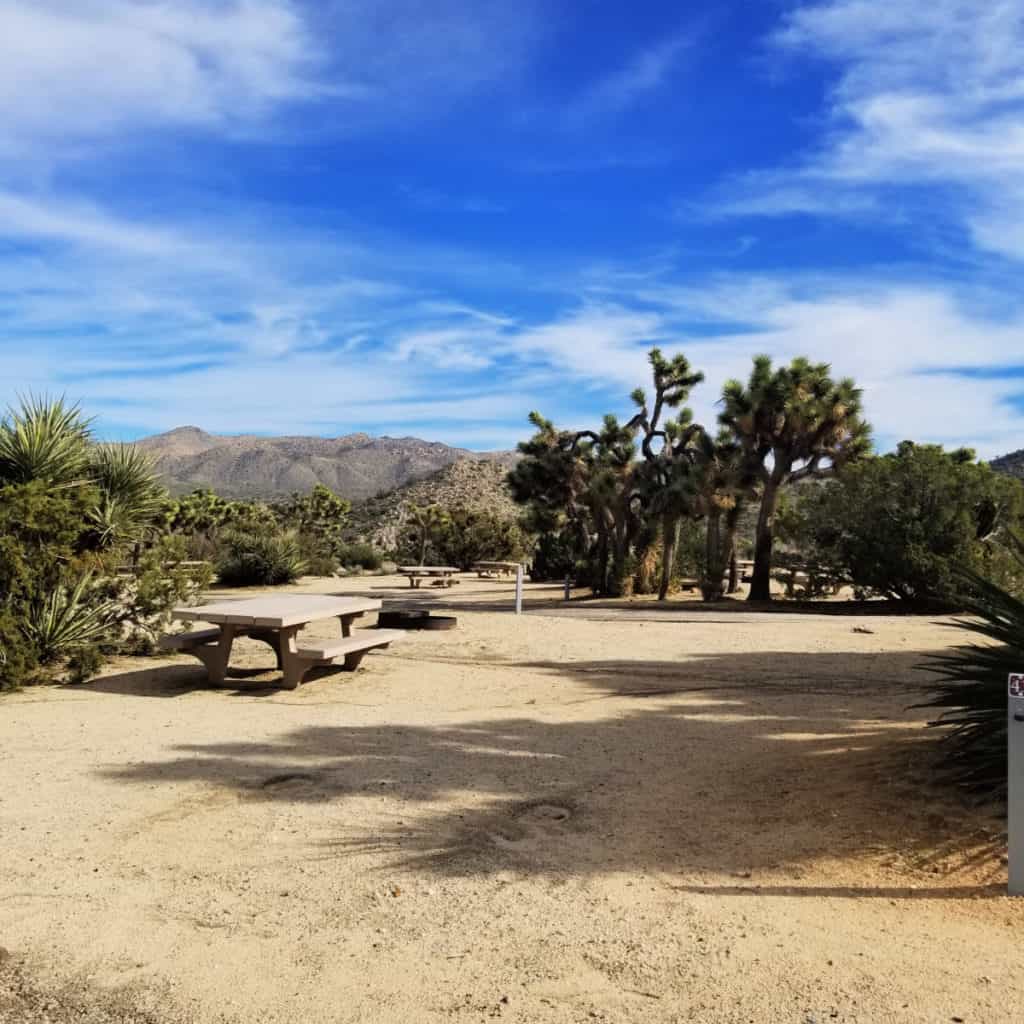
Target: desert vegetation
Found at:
x=70, y=513
x=788, y=475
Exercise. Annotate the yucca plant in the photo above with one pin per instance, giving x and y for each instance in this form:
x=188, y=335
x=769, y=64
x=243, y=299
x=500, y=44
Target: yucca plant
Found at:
x=44, y=439
x=67, y=619
x=260, y=558
x=972, y=686
x=131, y=496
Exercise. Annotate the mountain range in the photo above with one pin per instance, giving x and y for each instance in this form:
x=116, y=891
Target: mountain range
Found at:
x=356, y=466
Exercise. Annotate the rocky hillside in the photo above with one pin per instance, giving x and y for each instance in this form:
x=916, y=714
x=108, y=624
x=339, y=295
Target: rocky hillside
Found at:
x=1012, y=464
x=468, y=483
x=356, y=466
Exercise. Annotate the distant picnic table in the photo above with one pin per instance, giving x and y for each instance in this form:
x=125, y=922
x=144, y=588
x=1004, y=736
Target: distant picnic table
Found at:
x=276, y=620
x=496, y=568
x=440, y=574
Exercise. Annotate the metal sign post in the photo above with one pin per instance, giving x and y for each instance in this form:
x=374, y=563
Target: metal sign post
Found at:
x=519, y=589
x=1015, y=784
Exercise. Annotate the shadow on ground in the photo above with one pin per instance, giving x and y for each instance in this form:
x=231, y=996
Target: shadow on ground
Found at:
x=732, y=764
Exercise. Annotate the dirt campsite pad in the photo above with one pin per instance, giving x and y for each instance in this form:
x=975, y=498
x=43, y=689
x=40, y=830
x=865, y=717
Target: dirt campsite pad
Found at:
x=607, y=814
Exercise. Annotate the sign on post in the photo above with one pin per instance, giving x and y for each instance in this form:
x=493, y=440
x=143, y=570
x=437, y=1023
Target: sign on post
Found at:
x=1015, y=784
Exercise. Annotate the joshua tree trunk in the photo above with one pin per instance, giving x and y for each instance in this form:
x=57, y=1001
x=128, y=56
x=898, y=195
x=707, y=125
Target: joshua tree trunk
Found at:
x=715, y=559
x=600, y=582
x=732, y=518
x=670, y=537
x=760, y=587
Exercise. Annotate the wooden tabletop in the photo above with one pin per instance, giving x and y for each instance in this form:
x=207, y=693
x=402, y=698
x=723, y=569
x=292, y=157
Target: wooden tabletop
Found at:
x=277, y=611
x=438, y=570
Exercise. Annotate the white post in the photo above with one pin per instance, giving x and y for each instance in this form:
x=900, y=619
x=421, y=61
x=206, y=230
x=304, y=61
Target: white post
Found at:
x=519, y=589
x=1015, y=785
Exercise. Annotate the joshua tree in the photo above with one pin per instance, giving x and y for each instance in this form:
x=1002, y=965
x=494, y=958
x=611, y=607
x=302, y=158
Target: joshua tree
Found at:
x=665, y=482
x=551, y=479
x=427, y=521
x=722, y=483
x=792, y=423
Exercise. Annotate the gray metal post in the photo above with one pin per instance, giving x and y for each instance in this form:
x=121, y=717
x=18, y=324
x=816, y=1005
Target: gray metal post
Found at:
x=567, y=586
x=519, y=590
x=1015, y=785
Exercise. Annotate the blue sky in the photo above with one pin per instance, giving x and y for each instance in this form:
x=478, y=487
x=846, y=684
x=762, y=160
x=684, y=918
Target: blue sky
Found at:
x=321, y=216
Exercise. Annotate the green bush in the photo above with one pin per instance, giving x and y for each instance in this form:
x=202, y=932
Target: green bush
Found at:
x=84, y=663
x=462, y=536
x=898, y=525
x=164, y=576
x=259, y=558
x=18, y=658
x=361, y=556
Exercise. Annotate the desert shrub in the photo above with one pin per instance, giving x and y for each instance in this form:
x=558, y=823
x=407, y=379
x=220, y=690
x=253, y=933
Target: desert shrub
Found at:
x=164, y=576
x=466, y=536
x=84, y=663
x=319, y=557
x=259, y=558
x=18, y=658
x=972, y=687
x=900, y=525
x=360, y=556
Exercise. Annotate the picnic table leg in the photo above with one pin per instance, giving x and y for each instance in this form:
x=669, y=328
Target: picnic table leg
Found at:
x=215, y=656
x=294, y=668
x=268, y=636
x=346, y=623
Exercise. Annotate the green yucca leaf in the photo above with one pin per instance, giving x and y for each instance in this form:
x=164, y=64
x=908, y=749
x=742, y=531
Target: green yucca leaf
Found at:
x=131, y=496
x=68, y=618
x=971, y=686
x=44, y=439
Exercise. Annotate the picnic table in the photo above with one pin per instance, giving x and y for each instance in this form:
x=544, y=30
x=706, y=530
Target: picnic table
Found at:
x=496, y=568
x=276, y=620
x=441, y=574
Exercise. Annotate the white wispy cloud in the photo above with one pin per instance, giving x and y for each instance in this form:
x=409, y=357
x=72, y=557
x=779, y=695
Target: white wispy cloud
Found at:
x=75, y=70
x=928, y=96
x=644, y=74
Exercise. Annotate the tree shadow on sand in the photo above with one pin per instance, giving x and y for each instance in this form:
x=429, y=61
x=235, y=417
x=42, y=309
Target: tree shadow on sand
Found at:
x=748, y=766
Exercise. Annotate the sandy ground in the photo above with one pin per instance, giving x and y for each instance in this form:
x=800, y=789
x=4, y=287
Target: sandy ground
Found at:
x=604, y=813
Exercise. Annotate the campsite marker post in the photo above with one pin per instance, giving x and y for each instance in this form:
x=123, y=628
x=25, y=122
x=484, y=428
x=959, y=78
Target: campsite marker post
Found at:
x=519, y=589
x=1015, y=784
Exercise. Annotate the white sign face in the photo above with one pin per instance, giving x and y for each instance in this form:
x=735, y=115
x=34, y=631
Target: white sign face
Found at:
x=1017, y=684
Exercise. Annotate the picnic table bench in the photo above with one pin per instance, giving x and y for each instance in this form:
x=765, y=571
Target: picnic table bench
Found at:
x=495, y=568
x=440, y=574
x=277, y=620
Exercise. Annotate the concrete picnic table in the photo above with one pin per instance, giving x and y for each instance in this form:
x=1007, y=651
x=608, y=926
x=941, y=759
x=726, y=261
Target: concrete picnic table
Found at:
x=418, y=573
x=276, y=620
x=485, y=568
